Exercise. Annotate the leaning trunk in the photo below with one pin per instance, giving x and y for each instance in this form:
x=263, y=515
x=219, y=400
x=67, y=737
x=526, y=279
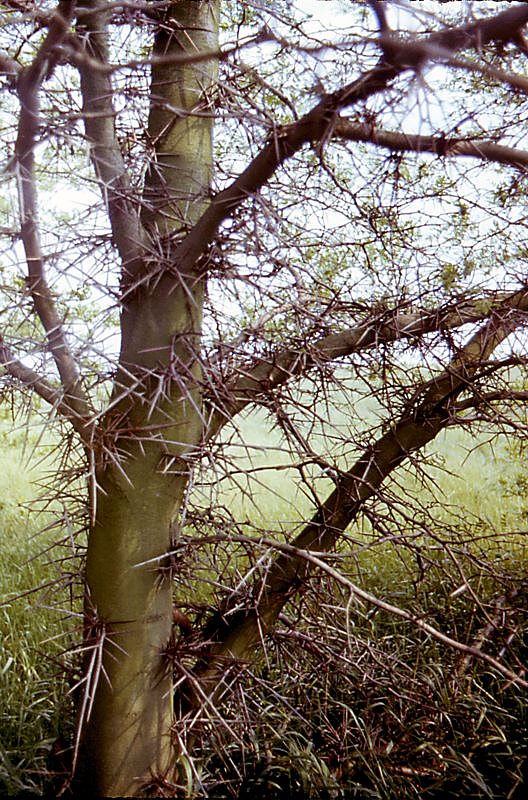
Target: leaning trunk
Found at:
x=149, y=436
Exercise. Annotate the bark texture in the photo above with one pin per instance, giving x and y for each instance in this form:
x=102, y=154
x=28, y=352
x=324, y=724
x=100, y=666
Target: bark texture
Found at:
x=154, y=427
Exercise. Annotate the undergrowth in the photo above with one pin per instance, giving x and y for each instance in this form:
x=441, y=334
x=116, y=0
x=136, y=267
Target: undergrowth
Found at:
x=350, y=702
x=356, y=703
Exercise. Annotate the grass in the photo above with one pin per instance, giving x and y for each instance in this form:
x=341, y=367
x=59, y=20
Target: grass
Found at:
x=354, y=702
x=350, y=702
x=32, y=692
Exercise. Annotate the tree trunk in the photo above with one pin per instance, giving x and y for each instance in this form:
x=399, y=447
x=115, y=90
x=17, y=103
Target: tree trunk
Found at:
x=149, y=436
x=127, y=738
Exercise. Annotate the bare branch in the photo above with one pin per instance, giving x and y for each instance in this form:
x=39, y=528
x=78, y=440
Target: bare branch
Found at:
x=27, y=376
x=96, y=89
x=8, y=66
x=32, y=380
x=378, y=7
x=470, y=651
x=437, y=145
x=486, y=398
x=316, y=559
x=283, y=365
x=28, y=86
x=511, y=79
x=386, y=36
x=427, y=413
x=78, y=56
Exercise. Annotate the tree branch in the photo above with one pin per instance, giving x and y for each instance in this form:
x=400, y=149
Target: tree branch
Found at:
x=9, y=67
x=511, y=79
x=438, y=145
x=486, y=398
x=32, y=380
x=316, y=559
x=27, y=7
x=318, y=123
x=234, y=631
x=99, y=115
x=470, y=651
x=80, y=58
x=253, y=383
x=28, y=86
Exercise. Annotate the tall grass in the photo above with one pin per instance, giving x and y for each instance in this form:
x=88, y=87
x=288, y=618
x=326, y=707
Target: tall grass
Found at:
x=33, y=698
x=350, y=702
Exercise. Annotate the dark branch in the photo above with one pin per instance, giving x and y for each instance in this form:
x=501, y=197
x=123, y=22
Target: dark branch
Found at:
x=487, y=398
x=318, y=122
x=316, y=559
x=9, y=67
x=27, y=377
x=285, y=364
x=28, y=87
x=437, y=145
x=234, y=635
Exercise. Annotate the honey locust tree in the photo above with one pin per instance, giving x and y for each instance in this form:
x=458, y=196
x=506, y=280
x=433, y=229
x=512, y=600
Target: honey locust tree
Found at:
x=355, y=226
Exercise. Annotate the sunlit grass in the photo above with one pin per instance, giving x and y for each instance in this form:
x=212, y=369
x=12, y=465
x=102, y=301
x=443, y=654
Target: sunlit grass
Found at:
x=32, y=692
x=475, y=478
x=474, y=496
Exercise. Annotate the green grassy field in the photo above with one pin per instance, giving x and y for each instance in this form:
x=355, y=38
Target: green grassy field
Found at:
x=478, y=480
x=449, y=544
x=32, y=693
x=475, y=497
